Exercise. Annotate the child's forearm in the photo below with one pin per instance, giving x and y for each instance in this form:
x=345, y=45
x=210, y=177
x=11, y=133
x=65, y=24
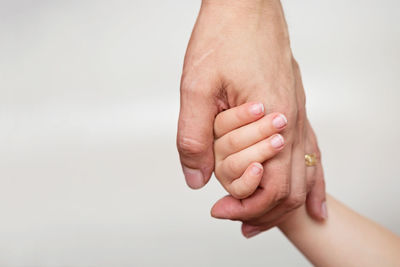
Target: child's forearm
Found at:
x=344, y=239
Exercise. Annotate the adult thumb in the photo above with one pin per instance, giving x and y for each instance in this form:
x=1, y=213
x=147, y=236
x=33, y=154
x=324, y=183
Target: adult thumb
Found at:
x=195, y=134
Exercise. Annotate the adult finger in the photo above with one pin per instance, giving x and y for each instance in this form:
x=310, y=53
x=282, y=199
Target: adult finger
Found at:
x=316, y=205
x=316, y=198
x=195, y=133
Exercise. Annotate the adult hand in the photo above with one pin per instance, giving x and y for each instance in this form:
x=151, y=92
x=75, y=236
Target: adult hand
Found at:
x=239, y=52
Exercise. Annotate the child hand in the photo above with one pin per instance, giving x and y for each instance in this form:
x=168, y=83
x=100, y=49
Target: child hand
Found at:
x=245, y=138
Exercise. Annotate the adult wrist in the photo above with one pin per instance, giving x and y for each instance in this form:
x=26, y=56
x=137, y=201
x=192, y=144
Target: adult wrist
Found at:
x=268, y=13
x=249, y=3
x=253, y=6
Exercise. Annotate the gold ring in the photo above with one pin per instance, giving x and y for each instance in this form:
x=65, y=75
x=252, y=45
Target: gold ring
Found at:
x=311, y=159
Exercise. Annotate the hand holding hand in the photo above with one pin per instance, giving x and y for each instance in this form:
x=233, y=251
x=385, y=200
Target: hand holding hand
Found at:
x=240, y=52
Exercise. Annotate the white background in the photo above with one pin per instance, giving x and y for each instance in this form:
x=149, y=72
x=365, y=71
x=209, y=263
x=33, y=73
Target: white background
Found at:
x=89, y=173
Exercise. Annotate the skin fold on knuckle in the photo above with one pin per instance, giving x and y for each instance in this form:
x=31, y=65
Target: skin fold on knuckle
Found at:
x=295, y=200
x=189, y=146
x=281, y=193
x=233, y=142
x=311, y=182
x=196, y=88
x=231, y=166
x=241, y=115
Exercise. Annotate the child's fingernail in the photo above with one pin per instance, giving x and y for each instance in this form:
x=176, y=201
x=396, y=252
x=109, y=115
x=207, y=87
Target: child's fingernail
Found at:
x=324, y=210
x=256, y=169
x=280, y=121
x=257, y=109
x=277, y=141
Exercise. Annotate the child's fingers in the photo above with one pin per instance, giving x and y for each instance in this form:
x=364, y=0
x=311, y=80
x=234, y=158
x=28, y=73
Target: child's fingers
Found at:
x=247, y=135
x=247, y=183
x=236, y=117
x=234, y=165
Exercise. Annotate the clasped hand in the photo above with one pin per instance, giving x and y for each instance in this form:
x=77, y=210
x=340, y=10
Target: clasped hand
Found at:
x=240, y=53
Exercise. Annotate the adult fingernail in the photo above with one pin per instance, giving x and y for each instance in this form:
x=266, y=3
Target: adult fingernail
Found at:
x=194, y=177
x=279, y=121
x=277, y=141
x=256, y=169
x=257, y=109
x=252, y=233
x=324, y=210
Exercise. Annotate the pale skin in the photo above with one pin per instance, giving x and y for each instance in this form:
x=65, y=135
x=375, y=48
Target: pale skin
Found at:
x=240, y=52
x=344, y=239
x=241, y=178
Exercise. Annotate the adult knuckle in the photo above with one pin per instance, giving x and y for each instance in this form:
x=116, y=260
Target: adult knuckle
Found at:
x=310, y=182
x=289, y=108
x=191, y=90
x=295, y=200
x=282, y=193
x=187, y=81
x=284, y=108
x=191, y=146
x=194, y=88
